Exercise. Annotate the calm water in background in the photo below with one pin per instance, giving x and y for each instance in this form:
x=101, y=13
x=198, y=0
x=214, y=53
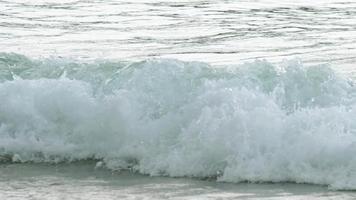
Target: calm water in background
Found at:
x=217, y=32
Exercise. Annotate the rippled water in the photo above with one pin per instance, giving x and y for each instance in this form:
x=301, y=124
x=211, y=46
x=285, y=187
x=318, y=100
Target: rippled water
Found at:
x=219, y=31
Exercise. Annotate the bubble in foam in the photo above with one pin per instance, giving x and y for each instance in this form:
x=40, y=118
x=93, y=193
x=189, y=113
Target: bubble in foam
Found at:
x=254, y=122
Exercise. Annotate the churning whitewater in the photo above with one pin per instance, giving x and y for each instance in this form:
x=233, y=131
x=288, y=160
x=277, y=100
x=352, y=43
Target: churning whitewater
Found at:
x=255, y=122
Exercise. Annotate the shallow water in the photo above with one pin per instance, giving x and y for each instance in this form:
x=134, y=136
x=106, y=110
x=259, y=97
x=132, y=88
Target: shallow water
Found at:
x=83, y=181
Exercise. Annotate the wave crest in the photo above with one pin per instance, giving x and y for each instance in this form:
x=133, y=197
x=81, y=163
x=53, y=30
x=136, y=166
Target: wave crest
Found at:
x=253, y=122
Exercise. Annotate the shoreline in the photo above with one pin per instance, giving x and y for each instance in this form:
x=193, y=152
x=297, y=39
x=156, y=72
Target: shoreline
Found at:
x=82, y=181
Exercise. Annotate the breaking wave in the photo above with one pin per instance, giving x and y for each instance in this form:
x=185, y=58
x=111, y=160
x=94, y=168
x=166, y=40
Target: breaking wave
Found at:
x=255, y=122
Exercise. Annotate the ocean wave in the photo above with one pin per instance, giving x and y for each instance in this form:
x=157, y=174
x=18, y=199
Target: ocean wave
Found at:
x=254, y=122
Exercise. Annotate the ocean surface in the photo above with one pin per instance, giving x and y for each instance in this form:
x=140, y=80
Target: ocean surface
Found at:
x=178, y=99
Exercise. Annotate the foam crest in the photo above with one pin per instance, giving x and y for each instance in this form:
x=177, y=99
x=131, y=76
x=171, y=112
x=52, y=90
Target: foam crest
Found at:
x=254, y=122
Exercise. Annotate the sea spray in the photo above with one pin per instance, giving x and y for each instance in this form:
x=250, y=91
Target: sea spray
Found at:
x=255, y=122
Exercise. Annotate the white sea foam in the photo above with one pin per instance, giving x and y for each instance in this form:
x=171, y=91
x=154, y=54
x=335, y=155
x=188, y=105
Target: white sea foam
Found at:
x=255, y=122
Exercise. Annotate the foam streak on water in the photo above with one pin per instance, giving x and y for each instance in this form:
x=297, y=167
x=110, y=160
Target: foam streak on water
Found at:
x=255, y=122
x=81, y=181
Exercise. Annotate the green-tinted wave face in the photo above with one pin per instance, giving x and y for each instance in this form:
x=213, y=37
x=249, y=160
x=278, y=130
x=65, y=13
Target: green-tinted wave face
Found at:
x=295, y=84
x=254, y=122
